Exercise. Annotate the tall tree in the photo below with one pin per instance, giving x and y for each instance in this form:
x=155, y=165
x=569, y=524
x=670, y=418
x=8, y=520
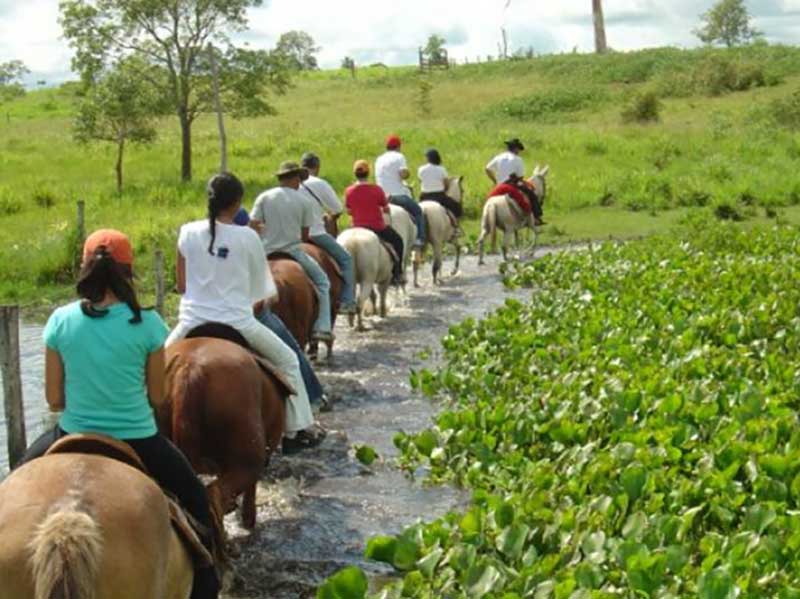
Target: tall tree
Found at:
x=299, y=50
x=600, y=43
x=173, y=35
x=119, y=109
x=11, y=74
x=728, y=23
x=434, y=48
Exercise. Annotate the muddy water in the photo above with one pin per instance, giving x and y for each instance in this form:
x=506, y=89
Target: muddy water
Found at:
x=316, y=509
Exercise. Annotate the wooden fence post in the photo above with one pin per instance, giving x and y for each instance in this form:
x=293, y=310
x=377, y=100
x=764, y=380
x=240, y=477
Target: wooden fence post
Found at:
x=158, y=272
x=12, y=383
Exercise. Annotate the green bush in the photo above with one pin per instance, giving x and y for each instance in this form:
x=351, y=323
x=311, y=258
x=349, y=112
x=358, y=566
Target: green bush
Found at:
x=643, y=108
x=9, y=204
x=786, y=112
x=551, y=102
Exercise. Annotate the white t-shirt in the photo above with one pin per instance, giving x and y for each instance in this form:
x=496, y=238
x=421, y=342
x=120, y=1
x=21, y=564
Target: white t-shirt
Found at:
x=432, y=177
x=223, y=287
x=506, y=164
x=323, y=199
x=284, y=212
x=387, y=173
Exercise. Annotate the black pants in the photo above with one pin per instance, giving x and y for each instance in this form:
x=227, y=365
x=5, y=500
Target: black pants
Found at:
x=445, y=200
x=172, y=471
x=391, y=237
x=536, y=206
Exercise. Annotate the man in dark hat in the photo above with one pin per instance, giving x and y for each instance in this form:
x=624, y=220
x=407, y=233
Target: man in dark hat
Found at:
x=285, y=217
x=509, y=169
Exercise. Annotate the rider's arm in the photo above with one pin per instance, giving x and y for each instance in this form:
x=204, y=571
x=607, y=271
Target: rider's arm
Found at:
x=155, y=375
x=491, y=174
x=180, y=272
x=54, y=380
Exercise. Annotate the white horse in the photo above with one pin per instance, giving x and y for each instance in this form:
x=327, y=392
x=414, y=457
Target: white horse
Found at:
x=372, y=265
x=501, y=212
x=400, y=220
x=440, y=229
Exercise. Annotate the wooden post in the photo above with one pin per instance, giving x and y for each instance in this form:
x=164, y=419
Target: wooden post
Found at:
x=158, y=270
x=12, y=383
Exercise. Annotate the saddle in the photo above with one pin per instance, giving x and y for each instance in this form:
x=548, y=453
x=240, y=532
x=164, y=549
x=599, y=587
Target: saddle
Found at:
x=183, y=523
x=217, y=330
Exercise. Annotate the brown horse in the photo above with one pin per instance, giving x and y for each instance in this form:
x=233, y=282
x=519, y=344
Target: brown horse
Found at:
x=297, y=299
x=88, y=527
x=331, y=269
x=226, y=413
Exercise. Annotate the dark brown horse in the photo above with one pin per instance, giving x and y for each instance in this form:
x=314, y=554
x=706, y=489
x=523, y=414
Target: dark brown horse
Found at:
x=297, y=299
x=226, y=412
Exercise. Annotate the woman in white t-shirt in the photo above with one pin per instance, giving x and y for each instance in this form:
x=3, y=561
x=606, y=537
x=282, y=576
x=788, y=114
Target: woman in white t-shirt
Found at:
x=434, y=179
x=222, y=274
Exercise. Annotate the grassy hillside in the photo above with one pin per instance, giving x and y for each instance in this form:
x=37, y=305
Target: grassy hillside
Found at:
x=727, y=137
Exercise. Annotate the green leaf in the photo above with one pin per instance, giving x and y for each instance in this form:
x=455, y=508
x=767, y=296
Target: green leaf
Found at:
x=366, y=455
x=427, y=565
x=633, y=480
x=426, y=442
x=511, y=541
x=381, y=549
x=350, y=583
x=482, y=580
x=716, y=584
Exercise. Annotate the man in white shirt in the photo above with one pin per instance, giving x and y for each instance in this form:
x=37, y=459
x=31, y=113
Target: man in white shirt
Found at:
x=285, y=216
x=508, y=167
x=325, y=201
x=391, y=171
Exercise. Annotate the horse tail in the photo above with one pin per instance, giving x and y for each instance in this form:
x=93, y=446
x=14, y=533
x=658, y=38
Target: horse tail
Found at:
x=65, y=555
x=491, y=223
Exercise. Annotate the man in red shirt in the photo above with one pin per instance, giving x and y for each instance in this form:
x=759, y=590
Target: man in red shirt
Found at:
x=367, y=203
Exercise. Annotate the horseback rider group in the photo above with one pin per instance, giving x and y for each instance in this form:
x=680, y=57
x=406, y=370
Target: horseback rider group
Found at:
x=105, y=354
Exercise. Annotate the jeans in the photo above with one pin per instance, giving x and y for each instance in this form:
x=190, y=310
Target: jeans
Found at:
x=173, y=473
x=412, y=208
x=345, y=262
x=275, y=324
x=321, y=282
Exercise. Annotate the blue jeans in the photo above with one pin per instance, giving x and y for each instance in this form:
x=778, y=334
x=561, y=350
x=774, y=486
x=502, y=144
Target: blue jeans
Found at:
x=412, y=207
x=345, y=262
x=275, y=324
x=322, y=284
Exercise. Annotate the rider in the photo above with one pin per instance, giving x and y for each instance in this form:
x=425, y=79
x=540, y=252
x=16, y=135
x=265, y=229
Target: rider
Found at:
x=222, y=274
x=104, y=374
x=391, y=170
x=434, y=182
x=366, y=203
x=324, y=200
x=508, y=168
x=286, y=216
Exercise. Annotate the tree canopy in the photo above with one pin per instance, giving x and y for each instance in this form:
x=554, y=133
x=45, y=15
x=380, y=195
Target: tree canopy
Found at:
x=173, y=36
x=434, y=48
x=298, y=50
x=11, y=73
x=728, y=23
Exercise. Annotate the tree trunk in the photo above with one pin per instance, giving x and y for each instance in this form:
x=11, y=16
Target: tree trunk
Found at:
x=223, y=138
x=120, y=153
x=186, y=146
x=600, y=44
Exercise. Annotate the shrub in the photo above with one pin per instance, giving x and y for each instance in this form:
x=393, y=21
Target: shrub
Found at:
x=596, y=147
x=786, y=111
x=8, y=204
x=726, y=211
x=643, y=108
x=556, y=101
x=44, y=198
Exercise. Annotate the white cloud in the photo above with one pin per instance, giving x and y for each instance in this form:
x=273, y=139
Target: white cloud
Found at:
x=390, y=31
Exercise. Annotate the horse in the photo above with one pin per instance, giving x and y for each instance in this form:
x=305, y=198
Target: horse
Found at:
x=440, y=229
x=403, y=224
x=226, y=412
x=297, y=298
x=498, y=213
x=331, y=268
x=90, y=527
x=372, y=264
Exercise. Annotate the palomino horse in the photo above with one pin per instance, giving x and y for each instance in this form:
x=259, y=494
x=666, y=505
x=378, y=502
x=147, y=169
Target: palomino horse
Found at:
x=440, y=229
x=372, y=265
x=331, y=269
x=226, y=413
x=502, y=213
x=88, y=527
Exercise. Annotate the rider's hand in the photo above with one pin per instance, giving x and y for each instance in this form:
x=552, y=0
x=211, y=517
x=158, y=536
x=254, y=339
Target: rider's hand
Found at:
x=256, y=225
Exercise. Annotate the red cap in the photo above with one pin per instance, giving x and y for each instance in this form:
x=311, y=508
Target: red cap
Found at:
x=393, y=142
x=114, y=242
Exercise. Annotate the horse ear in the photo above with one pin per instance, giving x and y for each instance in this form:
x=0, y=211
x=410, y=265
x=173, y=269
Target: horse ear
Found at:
x=545, y=170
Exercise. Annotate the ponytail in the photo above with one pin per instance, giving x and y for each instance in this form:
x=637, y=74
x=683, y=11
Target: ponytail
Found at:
x=100, y=274
x=224, y=190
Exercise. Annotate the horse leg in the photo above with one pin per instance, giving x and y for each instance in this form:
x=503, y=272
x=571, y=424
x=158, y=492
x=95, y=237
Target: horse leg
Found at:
x=506, y=244
x=437, y=262
x=384, y=289
x=418, y=256
x=458, y=258
x=313, y=350
x=249, y=507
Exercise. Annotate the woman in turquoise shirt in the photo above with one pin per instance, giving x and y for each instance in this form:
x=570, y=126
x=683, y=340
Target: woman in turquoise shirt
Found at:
x=104, y=367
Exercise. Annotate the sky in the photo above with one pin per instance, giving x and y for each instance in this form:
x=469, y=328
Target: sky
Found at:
x=390, y=31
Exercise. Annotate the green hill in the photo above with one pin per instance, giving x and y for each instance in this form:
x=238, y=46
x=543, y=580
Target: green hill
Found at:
x=727, y=137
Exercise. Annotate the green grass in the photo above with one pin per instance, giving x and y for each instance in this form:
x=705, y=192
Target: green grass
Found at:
x=608, y=178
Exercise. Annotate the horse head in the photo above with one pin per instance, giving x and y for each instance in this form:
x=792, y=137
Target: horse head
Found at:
x=539, y=181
